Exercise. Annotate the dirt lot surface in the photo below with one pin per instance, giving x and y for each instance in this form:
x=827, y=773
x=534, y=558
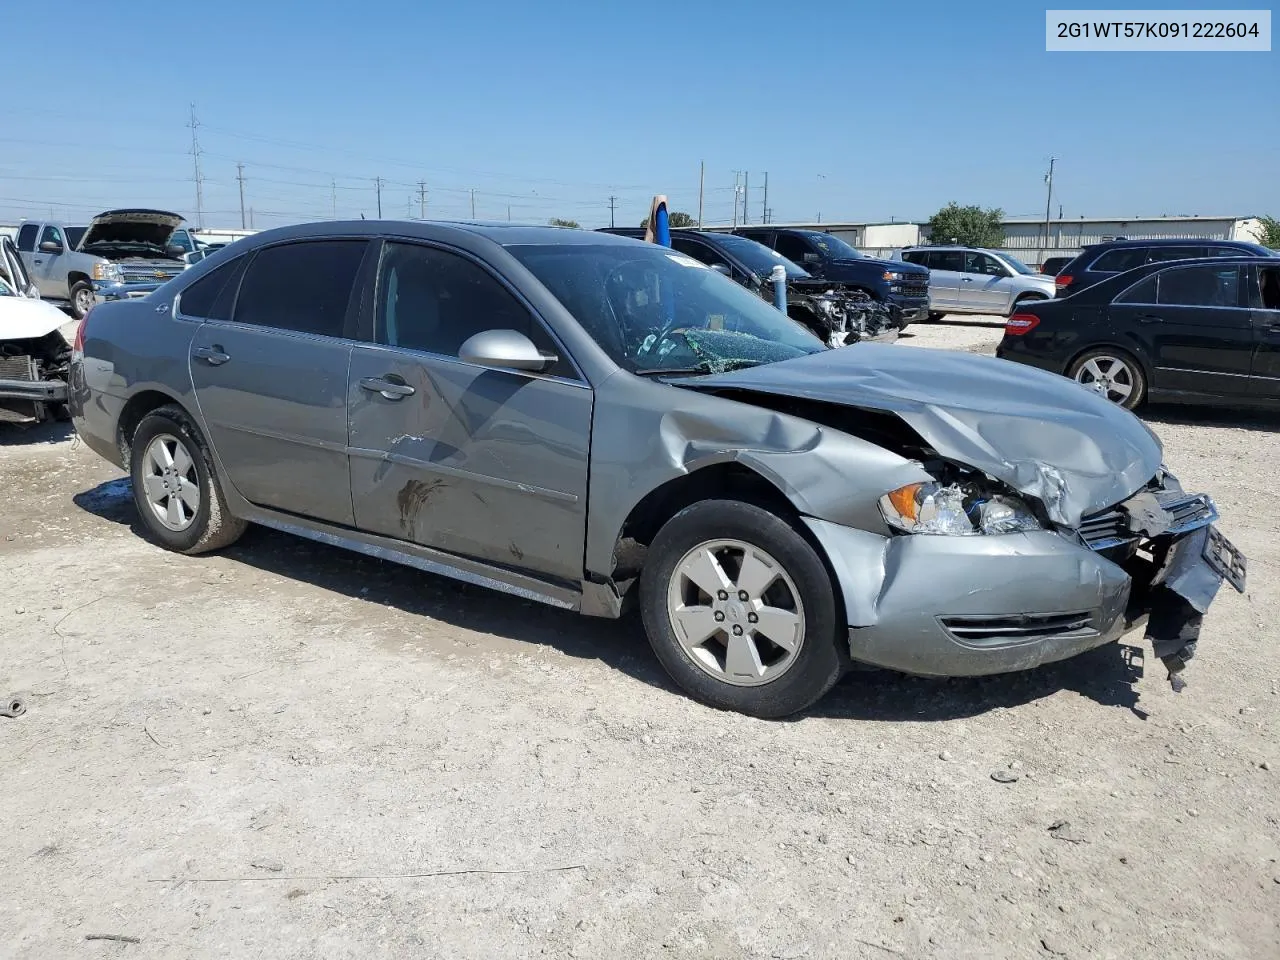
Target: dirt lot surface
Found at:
x=291, y=751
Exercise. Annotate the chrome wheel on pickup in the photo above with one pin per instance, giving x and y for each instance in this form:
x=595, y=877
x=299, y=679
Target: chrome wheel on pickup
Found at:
x=82, y=299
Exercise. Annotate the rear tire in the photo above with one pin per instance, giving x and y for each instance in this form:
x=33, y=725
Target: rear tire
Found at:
x=175, y=488
x=82, y=299
x=720, y=648
x=1111, y=373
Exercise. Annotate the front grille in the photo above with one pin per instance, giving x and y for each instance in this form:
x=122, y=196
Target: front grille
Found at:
x=1110, y=528
x=992, y=631
x=149, y=276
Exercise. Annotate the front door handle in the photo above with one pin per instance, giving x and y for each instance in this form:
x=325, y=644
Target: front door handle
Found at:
x=967, y=279
x=213, y=355
x=395, y=389
x=37, y=262
x=1149, y=318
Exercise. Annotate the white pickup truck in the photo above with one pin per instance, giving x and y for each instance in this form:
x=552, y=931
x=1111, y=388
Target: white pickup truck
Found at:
x=120, y=254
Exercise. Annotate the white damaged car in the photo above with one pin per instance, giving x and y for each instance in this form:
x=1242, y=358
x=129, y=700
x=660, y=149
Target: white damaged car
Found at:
x=35, y=347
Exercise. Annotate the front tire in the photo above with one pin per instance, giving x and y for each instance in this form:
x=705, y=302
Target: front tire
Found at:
x=82, y=298
x=740, y=610
x=1111, y=373
x=175, y=489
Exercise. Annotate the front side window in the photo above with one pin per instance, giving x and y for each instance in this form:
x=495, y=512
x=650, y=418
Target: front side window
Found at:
x=654, y=310
x=434, y=301
x=51, y=234
x=304, y=286
x=1120, y=260
x=1206, y=286
x=213, y=295
x=27, y=237
x=916, y=256
x=983, y=263
x=699, y=251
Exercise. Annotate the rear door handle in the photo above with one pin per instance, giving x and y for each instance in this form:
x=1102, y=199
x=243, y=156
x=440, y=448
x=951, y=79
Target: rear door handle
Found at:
x=1149, y=318
x=391, y=389
x=967, y=279
x=213, y=355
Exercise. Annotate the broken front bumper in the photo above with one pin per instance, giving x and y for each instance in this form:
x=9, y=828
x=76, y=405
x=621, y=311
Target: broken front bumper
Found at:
x=968, y=606
x=23, y=395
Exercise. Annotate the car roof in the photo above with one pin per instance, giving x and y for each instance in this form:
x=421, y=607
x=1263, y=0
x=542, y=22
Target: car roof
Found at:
x=502, y=232
x=1127, y=278
x=1169, y=242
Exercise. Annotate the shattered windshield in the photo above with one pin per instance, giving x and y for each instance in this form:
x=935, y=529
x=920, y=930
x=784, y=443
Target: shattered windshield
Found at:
x=654, y=310
x=833, y=246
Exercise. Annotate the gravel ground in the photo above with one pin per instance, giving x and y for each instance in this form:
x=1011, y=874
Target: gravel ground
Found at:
x=288, y=750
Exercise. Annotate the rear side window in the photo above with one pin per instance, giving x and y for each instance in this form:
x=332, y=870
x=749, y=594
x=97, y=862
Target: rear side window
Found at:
x=27, y=237
x=947, y=260
x=916, y=256
x=1117, y=261
x=301, y=286
x=1144, y=292
x=212, y=296
x=1206, y=286
x=1226, y=252
x=1165, y=254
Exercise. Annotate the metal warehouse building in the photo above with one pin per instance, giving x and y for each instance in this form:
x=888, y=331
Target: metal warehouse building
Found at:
x=1025, y=238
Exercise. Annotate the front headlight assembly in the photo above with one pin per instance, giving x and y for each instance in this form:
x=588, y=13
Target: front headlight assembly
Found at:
x=107, y=271
x=956, y=510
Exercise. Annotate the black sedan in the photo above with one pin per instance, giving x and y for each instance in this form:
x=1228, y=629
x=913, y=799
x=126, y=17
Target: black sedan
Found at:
x=1193, y=331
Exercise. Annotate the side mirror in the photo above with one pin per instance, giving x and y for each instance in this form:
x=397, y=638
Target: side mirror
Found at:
x=504, y=348
x=175, y=250
x=51, y=246
x=722, y=269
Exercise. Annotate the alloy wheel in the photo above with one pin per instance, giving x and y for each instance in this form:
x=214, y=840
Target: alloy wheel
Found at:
x=1111, y=377
x=171, y=485
x=736, y=612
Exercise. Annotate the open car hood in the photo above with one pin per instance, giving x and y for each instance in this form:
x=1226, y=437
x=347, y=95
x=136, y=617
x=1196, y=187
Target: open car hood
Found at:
x=22, y=318
x=131, y=227
x=1040, y=433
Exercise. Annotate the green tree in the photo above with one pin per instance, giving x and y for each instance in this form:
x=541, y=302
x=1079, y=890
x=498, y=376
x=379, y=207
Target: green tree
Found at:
x=675, y=218
x=968, y=226
x=1269, y=234
x=561, y=222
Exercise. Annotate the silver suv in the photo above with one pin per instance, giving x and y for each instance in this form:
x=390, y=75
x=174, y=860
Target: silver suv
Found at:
x=973, y=280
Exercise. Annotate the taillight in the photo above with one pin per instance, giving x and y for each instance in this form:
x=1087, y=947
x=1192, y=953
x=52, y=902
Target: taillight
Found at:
x=1062, y=280
x=78, y=346
x=1020, y=323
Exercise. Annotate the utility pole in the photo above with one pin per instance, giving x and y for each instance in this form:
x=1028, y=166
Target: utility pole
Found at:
x=508, y=213
x=612, y=200
x=333, y=188
x=1048, y=203
x=195, y=156
x=737, y=174
x=240, y=177
x=251, y=218
x=764, y=204
x=422, y=200
x=377, y=185
x=473, y=203
x=702, y=177
x=746, y=193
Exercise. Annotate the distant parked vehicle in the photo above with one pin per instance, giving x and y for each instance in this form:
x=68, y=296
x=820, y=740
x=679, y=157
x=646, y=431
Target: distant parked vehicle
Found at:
x=835, y=312
x=121, y=254
x=1052, y=265
x=1099, y=261
x=973, y=280
x=903, y=289
x=1192, y=331
x=14, y=272
x=35, y=348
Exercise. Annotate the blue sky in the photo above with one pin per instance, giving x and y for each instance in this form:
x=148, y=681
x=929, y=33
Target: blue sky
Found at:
x=857, y=111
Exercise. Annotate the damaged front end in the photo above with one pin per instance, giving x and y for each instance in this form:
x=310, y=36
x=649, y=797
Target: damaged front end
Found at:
x=33, y=378
x=1166, y=541
x=839, y=316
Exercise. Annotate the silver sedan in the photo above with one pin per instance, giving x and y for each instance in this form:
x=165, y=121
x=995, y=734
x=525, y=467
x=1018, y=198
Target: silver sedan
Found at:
x=594, y=422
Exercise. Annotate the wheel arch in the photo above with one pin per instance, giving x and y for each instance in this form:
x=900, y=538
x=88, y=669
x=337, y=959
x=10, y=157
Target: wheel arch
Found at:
x=77, y=276
x=135, y=409
x=1129, y=350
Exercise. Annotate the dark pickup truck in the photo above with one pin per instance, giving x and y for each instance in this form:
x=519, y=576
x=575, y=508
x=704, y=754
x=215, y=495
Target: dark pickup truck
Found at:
x=902, y=287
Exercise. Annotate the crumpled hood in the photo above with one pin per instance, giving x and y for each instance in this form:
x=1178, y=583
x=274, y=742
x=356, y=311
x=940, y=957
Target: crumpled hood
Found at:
x=131, y=226
x=23, y=318
x=1040, y=433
